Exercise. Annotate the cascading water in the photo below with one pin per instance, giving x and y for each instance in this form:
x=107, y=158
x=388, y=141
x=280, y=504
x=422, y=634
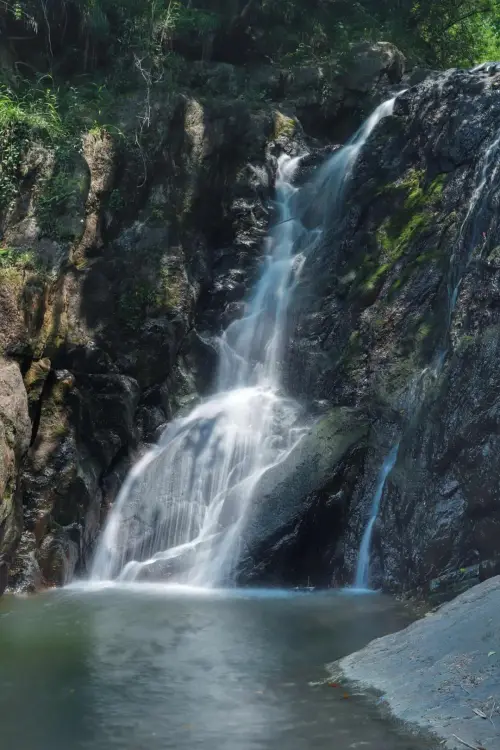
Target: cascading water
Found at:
x=362, y=580
x=463, y=251
x=181, y=510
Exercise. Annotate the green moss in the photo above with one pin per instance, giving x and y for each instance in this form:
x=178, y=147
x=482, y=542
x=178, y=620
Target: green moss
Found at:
x=144, y=296
x=373, y=280
x=414, y=214
x=395, y=286
x=60, y=198
x=494, y=255
x=283, y=125
x=424, y=332
x=12, y=278
x=412, y=205
x=353, y=352
x=464, y=343
x=16, y=267
x=13, y=258
x=394, y=379
x=169, y=290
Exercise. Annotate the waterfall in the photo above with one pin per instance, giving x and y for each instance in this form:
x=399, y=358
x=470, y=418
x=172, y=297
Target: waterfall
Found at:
x=181, y=510
x=363, y=568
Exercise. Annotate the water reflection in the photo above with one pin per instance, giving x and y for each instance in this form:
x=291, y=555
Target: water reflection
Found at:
x=114, y=669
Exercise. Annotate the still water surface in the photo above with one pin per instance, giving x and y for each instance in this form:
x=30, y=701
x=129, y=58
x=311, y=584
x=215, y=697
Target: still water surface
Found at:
x=151, y=669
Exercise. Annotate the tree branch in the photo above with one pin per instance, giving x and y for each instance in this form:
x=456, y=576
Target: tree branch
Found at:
x=471, y=14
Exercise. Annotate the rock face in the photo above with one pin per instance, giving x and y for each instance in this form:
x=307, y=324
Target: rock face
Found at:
x=114, y=259
x=288, y=493
x=15, y=432
x=112, y=290
x=453, y=658
x=399, y=312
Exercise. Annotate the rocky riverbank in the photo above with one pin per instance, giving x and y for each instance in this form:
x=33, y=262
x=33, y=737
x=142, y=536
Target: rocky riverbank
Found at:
x=441, y=673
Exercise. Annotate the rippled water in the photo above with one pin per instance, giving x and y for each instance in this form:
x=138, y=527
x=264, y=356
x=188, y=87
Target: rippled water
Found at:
x=150, y=668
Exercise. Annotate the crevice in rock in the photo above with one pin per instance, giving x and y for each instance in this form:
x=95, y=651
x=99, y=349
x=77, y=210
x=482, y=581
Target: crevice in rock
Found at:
x=44, y=395
x=122, y=455
x=25, y=363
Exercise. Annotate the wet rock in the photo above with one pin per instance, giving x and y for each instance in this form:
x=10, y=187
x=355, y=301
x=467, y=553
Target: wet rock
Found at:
x=34, y=382
x=57, y=557
x=281, y=494
x=370, y=328
x=85, y=423
x=102, y=297
x=114, y=312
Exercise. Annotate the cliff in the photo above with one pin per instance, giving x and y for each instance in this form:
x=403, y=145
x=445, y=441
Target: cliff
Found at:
x=127, y=250
x=398, y=314
x=119, y=248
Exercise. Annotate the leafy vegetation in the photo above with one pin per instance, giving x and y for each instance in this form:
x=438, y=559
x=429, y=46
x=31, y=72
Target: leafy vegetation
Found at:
x=83, y=35
x=71, y=60
x=444, y=33
x=22, y=116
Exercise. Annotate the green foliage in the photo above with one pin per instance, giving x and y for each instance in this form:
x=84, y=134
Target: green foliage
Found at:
x=444, y=33
x=57, y=193
x=23, y=117
x=454, y=32
x=15, y=265
x=37, y=109
x=91, y=34
x=53, y=117
x=19, y=259
x=107, y=48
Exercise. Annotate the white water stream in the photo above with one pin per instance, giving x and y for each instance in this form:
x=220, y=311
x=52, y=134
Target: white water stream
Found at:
x=363, y=568
x=181, y=510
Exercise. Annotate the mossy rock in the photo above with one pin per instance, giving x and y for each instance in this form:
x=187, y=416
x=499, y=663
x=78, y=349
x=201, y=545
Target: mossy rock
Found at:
x=61, y=196
x=283, y=126
x=412, y=206
x=281, y=491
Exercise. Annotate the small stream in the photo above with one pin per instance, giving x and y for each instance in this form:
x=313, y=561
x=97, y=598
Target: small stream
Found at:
x=146, y=667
